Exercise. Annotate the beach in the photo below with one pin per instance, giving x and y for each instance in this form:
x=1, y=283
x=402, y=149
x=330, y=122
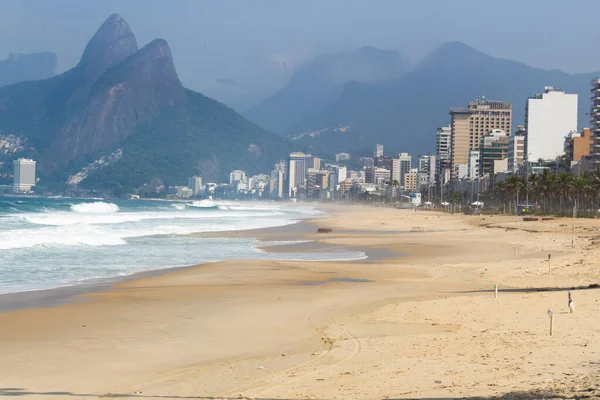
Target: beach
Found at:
x=418, y=318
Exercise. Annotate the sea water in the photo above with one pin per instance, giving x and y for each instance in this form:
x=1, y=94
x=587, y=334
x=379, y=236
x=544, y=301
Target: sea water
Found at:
x=52, y=242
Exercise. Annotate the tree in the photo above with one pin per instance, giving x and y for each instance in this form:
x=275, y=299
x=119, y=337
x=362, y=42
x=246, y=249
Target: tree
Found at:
x=564, y=186
x=515, y=184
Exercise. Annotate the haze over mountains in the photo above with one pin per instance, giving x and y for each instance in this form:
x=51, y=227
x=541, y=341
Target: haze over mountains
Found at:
x=316, y=86
x=27, y=67
x=127, y=105
x=403, y=112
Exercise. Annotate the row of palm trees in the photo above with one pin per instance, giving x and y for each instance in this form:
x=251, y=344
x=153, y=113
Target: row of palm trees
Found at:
x=548, y=193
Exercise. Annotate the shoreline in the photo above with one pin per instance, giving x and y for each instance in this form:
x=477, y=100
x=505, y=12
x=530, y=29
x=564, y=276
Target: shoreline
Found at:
x=420, y=322
x=73, y=292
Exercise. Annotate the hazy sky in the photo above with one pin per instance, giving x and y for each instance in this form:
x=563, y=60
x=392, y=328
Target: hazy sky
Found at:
x=257, y=43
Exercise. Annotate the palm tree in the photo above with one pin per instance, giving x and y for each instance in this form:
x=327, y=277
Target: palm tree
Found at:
x=534, y=182
x=564, y=186
x=514, y=185
x=580, y=187
x=546, y=187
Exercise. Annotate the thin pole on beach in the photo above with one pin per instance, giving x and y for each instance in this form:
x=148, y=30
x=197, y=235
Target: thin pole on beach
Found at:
x=573, y=227
x=551, y=315
x=549, y=266
x=496, y=290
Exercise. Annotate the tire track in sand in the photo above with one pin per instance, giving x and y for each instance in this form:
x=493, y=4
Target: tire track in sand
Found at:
x=236, y=391
x=355, y=351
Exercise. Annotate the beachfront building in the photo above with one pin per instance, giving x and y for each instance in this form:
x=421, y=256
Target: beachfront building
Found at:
x=473, y=165
x=595, y=124
x=469, y=125
x=442, y=154
x=516, y=150
x=549, y=117
x=427, y=168
x=411, y=180
x=237, y=176
x=395, y=171
x=378, y=150
x=195, y=185
x=405, y=166
x=494, y=146
x=578, y=145
x=24, y=175
x=296, y=172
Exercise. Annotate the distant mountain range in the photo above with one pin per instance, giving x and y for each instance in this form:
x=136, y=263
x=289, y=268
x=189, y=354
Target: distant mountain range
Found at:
x=317, y=86
x=27, y=67
x=403, y=113
x=127, y=105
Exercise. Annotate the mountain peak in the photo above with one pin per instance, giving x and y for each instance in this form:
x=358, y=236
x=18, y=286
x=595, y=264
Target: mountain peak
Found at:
x=113, y=42
x=455, y=55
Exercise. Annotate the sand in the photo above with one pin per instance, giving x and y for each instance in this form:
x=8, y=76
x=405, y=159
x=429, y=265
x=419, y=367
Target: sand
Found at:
x=418, y=319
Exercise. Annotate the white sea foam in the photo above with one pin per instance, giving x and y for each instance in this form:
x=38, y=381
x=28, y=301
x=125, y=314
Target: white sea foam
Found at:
x=96, y=207
x=49, y=243
x=206, y=203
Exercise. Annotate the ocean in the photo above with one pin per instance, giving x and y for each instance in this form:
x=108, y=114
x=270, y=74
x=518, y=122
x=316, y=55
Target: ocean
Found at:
x=55, y=242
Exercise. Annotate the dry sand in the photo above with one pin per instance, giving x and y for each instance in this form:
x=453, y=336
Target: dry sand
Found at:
x=422, y=324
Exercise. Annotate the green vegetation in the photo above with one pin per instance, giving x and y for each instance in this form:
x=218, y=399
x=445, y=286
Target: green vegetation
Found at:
x=204, y=138
x=548, y=193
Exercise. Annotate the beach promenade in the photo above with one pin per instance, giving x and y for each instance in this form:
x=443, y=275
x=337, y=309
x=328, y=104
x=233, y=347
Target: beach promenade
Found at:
x=417, y=319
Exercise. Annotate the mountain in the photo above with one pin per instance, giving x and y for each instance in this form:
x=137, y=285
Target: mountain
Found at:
x=317, y=85
x=121, y=119
x=27, y=67
x=404, y=114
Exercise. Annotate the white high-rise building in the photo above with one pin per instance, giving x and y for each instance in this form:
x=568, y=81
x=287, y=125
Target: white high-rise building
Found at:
x=195, y=184
x=296, y=172
x=395, y=174
x=24, y=175
x=378, y=150
x=473, y=165
x=237, y=176
x=549, y=117
x=342, y=173
x=595, y=124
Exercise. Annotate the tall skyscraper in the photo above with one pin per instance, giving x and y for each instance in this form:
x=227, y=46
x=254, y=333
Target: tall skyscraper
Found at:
x=549, y=117
x=378, y=150
x=296, y=172
x=24, y=175
x=442, y=153
x=595, y=124
x=195, y=183
x=469, y=125
x=405, y=166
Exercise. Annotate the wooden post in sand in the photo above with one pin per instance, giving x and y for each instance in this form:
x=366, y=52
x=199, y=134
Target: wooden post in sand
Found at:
x=551, y=315
x=549, y=267
x=496, y=290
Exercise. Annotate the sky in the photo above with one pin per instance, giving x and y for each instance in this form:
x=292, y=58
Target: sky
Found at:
x=240, y=52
